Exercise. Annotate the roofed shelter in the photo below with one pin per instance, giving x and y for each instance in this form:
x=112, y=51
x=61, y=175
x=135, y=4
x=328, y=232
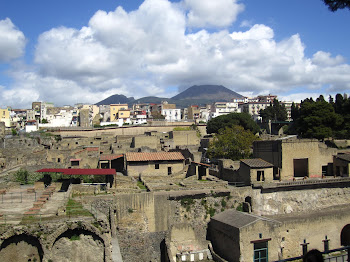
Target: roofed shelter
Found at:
x=114, y=161
x=341, y=165
x=239, y=236
x=154, y=163
x=256, y=170
x=108, y=173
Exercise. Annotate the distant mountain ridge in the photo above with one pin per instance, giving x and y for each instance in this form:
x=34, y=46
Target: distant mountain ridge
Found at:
x=198, y=95
x=212, y=92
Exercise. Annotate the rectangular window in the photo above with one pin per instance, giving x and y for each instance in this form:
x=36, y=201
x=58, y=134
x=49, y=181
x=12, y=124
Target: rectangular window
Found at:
x=261, y=252
x=156, y=166
x=260, y=176
x=74, y=163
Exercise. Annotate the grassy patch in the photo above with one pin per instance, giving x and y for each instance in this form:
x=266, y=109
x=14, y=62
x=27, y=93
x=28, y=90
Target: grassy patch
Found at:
x=223, y=203
x=74, y=237
x=211, y=211
x=74, y=208
x=141, y=185
x=187, y=203
x=240, y=207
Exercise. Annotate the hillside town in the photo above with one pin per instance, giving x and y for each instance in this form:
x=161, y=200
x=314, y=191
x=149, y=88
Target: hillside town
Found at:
x=150, y=183
x=45, y=115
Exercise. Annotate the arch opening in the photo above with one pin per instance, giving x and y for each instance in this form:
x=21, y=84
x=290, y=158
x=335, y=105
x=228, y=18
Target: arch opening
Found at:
x=20, y=248
x=345, y=236
x=74, y=243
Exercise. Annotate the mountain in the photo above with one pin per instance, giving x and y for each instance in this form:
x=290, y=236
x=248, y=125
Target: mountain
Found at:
x=194, y=95
x=209, y=92
x=116, y=99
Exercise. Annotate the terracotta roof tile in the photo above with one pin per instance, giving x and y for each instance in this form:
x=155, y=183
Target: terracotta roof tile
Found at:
x=153, y=156
x=110, y=157
x=256, y=163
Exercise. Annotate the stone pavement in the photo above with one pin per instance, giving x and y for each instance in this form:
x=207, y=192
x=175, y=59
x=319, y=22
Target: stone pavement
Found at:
x=16, y=202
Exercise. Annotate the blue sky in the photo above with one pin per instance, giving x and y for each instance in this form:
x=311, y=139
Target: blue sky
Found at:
x=68, y=51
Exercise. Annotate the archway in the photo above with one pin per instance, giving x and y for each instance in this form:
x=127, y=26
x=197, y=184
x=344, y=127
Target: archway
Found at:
x=345, y=236
x=79, y=245
x=248, y=200
x=21, y=248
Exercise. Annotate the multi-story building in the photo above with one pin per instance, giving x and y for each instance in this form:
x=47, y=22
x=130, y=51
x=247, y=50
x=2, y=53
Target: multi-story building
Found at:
x=114, y=112
x=40, y=110
x=5, y=116
x=288, y=106
x=253, y=108
x=193, y=112
x=224, y=108
x=172, y=114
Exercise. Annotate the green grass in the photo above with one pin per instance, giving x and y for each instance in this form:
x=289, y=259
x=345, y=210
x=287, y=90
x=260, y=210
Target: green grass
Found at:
x=141, y=185
x=74, y=208
x=74, y=237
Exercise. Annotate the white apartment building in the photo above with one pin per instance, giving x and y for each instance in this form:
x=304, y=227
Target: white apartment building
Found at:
x=224, y=108
x=171, y=115
x=253, y=108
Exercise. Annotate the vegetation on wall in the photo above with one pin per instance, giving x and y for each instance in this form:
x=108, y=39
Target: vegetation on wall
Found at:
x=193, y=127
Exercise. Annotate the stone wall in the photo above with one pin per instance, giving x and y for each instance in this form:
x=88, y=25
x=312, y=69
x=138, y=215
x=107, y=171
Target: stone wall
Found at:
x=132, y=130
x=72, y=241
x=284, y=202
x=149, y=168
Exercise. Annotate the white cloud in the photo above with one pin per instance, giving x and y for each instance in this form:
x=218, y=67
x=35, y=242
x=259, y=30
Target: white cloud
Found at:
x=208, y=13
x=143, y=52
x=12, y=41
x=324, y=59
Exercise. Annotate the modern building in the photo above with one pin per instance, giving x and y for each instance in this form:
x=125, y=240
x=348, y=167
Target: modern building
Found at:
x=114, y=111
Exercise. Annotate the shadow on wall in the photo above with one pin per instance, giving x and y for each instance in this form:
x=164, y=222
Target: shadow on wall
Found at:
x=21, y=248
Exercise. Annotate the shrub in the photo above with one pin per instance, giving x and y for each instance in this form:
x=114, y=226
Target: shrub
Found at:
x=74, y=237
x=187, y=202
x=240, y=207
x=223, y=203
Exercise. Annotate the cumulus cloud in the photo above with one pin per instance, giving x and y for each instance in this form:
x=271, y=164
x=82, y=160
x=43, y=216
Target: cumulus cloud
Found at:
x=207, y=13
x=12, y=41
x=324, y=59
x=145, y=51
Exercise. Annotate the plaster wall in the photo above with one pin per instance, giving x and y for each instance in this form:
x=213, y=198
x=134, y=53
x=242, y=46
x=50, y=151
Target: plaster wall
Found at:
x=148, y=168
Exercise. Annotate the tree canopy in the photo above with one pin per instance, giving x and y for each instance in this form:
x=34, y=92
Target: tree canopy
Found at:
x=334, y=5
x=320, y=119
x=274, y=112
x=232, y=143
x=229, y=120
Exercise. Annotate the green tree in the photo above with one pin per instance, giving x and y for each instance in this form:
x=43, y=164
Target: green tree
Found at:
x=274, y=112
x=44, y=121
x=229, y=120
x=157, y=115
x=317, y=119
x=334, y=5
x=25, y=177
x=232, y=143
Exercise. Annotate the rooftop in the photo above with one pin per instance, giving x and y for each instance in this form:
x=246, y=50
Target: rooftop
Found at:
x=238, y=219
x=78, y=171
x=345, y=157
x=153, y=156
x=256, y=163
